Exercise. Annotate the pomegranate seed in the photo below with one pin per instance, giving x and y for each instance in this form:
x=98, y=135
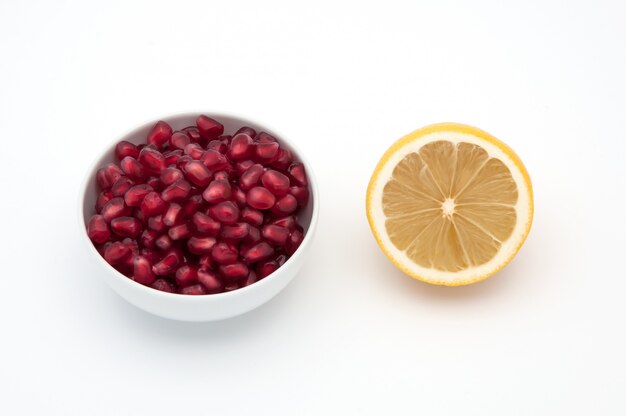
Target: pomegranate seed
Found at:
x=163, y=285
x=170, y=175
x=114, y=208
x=266, y=152
x=225, y=212
x=122, y=186
x=209, y=129
x=163, y=243
x=205, y=262
x=124, y=149
x=131, y=167
x=296, y=171
x=168, y=264
x=222, y=253
x=97, y=229
x=173, y=215
x=177, y=191
x=254, y=235
x=192, y=205
x=266, y=268
x=260, y=198
x=135, y=195
x=154, y=182
x=210, y=281
x=179, y=140
x=116, y=253
x=200, y=245
x=108, y=175
x=241, y=167
x=234, y=271
x=152, y=160
x=217, y=191
x=148, y=238
x=252, y=278
x=239, y=196
x=186, y=275
x=251, y=177
x=235, y=232
x=247, y=130
x=193, y=133
x=294, y=241
x=152, y=205
x=252, y=216
x=283, y=159
x=179, y=232
x=195, y=290
x=301, y=193
x=275, y=234
x=264, y=137
x=221, y=176
x=103, y=198
x=150, y=254
x=160, y=134
x=280, y=259
x=156, y=223
x=197, y=173
x=218, y=146
x=240, y=146
x=285, y=205
x=287, y=222
x=214, y=160
x=194, y=150
x=143, y=271
x=172, y=157
x=275, y=182
x=126, y=226
x=225, y=138
x=205, y=224
x=183, y=160
x=136, y=212
x=259, y=252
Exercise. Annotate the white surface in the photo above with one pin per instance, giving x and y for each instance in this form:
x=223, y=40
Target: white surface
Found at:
x=350, y=335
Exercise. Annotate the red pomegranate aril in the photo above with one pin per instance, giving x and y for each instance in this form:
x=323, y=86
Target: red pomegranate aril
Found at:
x=179, y=190
x=168, y=264
x=247, y=130
x=155, y=183
x=150, y=254
x=217, y=191
x=122, y=186
x=173, y=215
x=156, y=223
x=222, y=253
x=194, y=150
x=163, y=285
x=252, y=278
x=210, y=281
x=241, y=167
x=148, y=238
x=301, y=193
x=275, y=182
x=251, y=177
x=234, y=271
x=124, y=149
x=280, y=259
x=117, y=253
x=235, y=232
x=218, y=146
x=152, y=160
x=103, y=198
x=260, y=198
x=200, y=245
x=179, y=232
x=205, y=262
x=143, y=271
x=226, y=212
x=126, y=226
x=258, y=252
x=297, y=173
x=254, y=235
x=275, y=234
x=239, y=196
x=152, y=205
x=266, y=152
x=179, y=140
x=170, y=175
x=108, y=175
x=114, y=208
x=266, y=268
x=132, y=168
x=98, y=230
x=240, y=146
x=192, y=205
x=197, y=173
x=285, y=205
x=294, y=241
x=264, y=137
x=183, y=160
x=135, y=195
x=209, y=128
x=205, y=224
x=288, y=222
x=172, y=157
x=252, y=216
x=186, y=275
x=283, y=159
x=221, y=175
x=160, y=134
x=194, y=290
x=163, y=243
x=193, y=133
x=214, y=160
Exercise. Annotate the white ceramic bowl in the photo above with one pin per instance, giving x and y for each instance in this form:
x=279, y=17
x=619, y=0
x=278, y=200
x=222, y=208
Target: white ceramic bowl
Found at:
x=207, y=307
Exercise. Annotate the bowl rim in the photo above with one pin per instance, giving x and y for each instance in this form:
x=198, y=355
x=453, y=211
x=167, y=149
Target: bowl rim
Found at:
x=256, y=286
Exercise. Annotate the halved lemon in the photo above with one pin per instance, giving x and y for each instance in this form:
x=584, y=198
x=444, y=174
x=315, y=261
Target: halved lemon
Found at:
x=449, y=204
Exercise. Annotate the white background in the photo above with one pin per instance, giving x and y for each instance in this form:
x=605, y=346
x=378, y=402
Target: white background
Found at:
x=351, y=334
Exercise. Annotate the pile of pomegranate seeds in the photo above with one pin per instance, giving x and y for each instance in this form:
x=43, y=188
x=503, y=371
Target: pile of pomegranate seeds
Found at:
x=198, y=212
